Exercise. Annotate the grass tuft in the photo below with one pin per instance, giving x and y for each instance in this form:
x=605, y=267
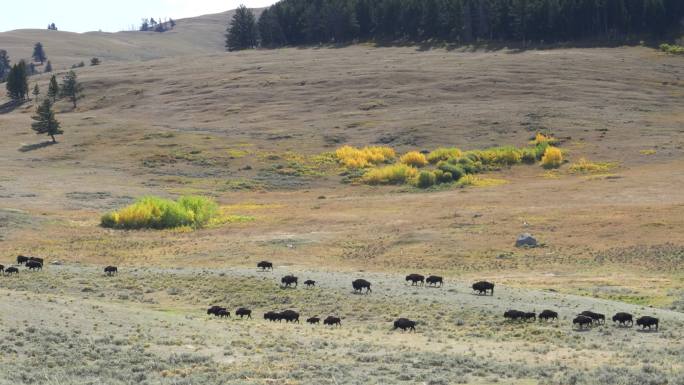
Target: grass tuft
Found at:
x=583, y=166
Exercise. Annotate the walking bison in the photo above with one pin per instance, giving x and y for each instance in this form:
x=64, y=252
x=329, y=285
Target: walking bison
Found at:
x=22, y=259
x=332, y=321
x=289, y=316
x=434, y=280
x=34, y=265
x=404, y=324
x=596, y=317
x=415, y=279
x=272, y=316
x=265, y=265
x=548, y=315
x=624, y=319
x=214, y=310
x=361, y=284
x=289, y=280
x=483, y=287
x=514, y=315
x=310, y=283
x=313, y=320
x=243, y=312
x=111, y=270
x=11, y=270
x=647, y=322
x=581, y=321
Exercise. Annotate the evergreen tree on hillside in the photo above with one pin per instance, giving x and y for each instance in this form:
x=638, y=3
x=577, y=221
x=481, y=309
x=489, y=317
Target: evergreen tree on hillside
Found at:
x=39, y=53
x=242, y=32
x=17, y=85
x=36, y=92
x=45, y=122
x=52, y=27
x=71, y=88
x=53, y=89
x=48, y=67
x=270, y=32
x=4, y=65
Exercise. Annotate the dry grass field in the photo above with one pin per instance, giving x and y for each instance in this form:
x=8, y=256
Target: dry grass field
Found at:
x=254, y=130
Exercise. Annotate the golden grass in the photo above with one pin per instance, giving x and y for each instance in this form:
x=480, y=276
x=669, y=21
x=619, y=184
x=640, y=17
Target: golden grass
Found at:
x=542, y=138
x=476, y=181
x=414, y=159
x=352, y=157
x=392, y=174
x=648, y=152
x=444, y=153
x=553, y=157
x=584, y=166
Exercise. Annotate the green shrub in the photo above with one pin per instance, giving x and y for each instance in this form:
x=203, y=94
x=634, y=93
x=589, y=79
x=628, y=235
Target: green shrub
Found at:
x=456, y=170
x=157, y=213
x=443, y=153
x=672, y=49
x=446, y=177
x=426, y=179
x=529, y=155
x=540, y=149
x=469, y=166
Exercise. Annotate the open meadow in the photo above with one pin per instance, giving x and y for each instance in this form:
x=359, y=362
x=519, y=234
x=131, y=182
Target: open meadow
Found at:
x=258, y=131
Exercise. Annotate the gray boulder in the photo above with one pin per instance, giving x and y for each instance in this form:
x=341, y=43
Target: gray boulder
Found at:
x=526, y=240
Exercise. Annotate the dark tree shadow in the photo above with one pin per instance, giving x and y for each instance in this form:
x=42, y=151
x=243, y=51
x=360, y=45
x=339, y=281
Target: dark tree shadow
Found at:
x=36, y=146
x=10, y=106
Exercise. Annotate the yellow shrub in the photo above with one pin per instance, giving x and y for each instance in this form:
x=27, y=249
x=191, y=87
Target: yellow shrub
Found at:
x=541, y=139
x=393, y=174
x=553, y=157
x=476, y=181
x=352, y=157
x=584, y=166
x=444, y=153
x=414, y=158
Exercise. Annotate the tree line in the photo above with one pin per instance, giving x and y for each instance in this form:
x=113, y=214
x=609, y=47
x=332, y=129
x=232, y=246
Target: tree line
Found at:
x=298, y=22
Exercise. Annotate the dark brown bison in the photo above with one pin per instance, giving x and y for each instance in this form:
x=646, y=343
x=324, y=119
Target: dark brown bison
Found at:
x=2, y=268
x=111, y=270
x=530, y=316
x=582, y=320
x=313, y=320
x=265, y=265
x=34, y=265
x=647, y=322
x=214, y=310
x=332, y=321
x=11, y=270
x=547, y=315
x=223, y=313
x=433, y=280
x=289, y=280
x=36, y=259
x=514, y=315
x=596, y=317
x=272, y=316
x=310, y=283
x=22, y=259
x=404, y=324
x=361, y=284
x=289, y=316
x=415, y=279
x=243, y=312
x=483, y=286
x=623, y=319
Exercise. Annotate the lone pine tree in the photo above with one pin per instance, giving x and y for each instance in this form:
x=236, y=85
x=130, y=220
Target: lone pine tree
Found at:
x=71, y=88
x=45, y=122
x=39, y=53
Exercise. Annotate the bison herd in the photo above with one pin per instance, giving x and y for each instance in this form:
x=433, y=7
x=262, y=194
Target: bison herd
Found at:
x=31, y=264
x=585, y=319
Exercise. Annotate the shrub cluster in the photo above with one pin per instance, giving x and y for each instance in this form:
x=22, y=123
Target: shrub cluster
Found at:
x=157, y=213
x=392, y=174
x=672, y=49
x=352, y=157
x=414, y=159
x=444, y=153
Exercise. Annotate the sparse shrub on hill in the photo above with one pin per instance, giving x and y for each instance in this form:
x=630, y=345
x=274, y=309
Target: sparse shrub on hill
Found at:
x=352, y=157
x=95, y=61
x=392, y=174
x=584, y=166
x=158, y=213
x=553, y=157
x=443, y=153
x=414, y=159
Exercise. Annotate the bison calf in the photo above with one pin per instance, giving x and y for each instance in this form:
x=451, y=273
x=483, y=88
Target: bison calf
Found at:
x=313, y=320
x=34, y=265
x=309, y=283
x=111, y=270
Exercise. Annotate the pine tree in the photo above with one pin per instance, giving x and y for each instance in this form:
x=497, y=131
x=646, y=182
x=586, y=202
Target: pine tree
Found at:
x=36, y=92
x=242, y=32
x=53, y=89
x=4, y=64
x=48, y=67
x=71, y=88
x=94, y=61
x=45, y=122
x=17, y=85
x=39, y=53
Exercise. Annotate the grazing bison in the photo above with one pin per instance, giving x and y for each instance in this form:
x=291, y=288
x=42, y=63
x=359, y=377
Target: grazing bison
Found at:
x=596, y=317
x=404, y=324
x=214, y=310
x=483, y=286
x=265, y=265
x=288, y=280
x=310, y=283
x=289, y=316
x=242, y=312
x=514, y=315
x=223, y=313
x=332, y=321
x=647, y=321
x=11, y=270
x=22, y=259
x=530, y=316
x=582, y=320
x=34, y=265
x=2, y=268
x=313, y=320
x=623, y=319
x=272, y=316
x=361, y=284
x=547, y=315
x=36, y=259
x=110, y=270
x=415, y=279
x=433, y=280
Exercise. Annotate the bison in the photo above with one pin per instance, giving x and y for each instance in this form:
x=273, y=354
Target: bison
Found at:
x=596, y=317
x=36, y=259
x=110, y=270
x=288, y=280
x=313, y=320
x=265, y=265
x=22, y=259
x=514, y=315
x=415, y=279
x=404, y=324
x=647, y=321
x=34, y=265
x=361, y=284
x=289, y=316
x=483, y=286
x=582, y=320
x=2, y=268
x=11, y=270
x=433, y=280
x=623, y=319
x=223, y=313
x=310, y=283
x=332, y=321
x=214, y=310
x=547, y=315
x=242, y=312
x=272, y=316
x=530, y=316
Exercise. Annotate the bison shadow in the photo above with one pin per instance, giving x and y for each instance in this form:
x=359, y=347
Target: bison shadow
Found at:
x=582, y=330
x=647, y=331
